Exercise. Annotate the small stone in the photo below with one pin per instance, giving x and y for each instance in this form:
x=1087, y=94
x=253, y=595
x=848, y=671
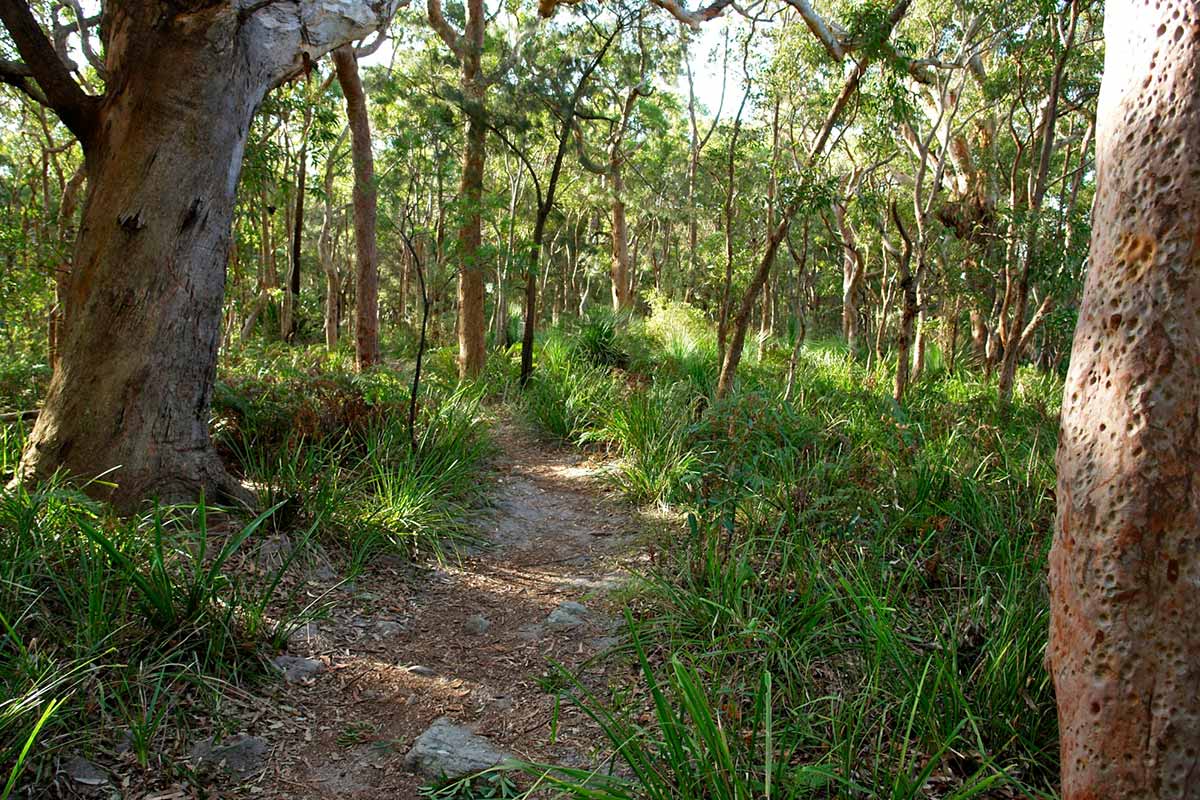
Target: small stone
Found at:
x=387, y=628
x=274, y=551
x=306, y=635
x=576, y=609
x=530, y=633
x=567, y=615
x=451, y=750
x=84, y=772
x=605, y=642
x=477, y=625
x=324, y=573
x=243, y=755
x=298, y=668
x=424, y=672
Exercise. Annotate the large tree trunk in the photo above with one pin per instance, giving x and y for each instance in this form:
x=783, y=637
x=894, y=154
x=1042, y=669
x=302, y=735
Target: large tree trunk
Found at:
x=130, y=400
x=1124, y=634
x=366, y=283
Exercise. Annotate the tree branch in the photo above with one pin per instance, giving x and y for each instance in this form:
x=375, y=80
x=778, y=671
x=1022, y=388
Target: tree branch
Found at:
x=442, y=27
x=84, y=24
x=693, y=18
x=74, y=107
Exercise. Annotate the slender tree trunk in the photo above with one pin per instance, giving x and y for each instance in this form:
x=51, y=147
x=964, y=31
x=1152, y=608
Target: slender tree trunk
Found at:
x=622, y=297
x=366, y=283
x=1124, y=634
x=292, y=295
x=908, y=312
x=801, y=323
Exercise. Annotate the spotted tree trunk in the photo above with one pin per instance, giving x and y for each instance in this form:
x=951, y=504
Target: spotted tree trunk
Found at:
x=163, y=149
x=1124, y=567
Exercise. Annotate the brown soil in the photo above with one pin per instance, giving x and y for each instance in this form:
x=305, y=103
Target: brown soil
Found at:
x=555, y=535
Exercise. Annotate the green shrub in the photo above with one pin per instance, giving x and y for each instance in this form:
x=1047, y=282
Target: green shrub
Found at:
x=566, y=397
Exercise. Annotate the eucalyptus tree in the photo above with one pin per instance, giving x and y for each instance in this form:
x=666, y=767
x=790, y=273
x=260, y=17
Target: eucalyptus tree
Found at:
x=163, y=147
x=560, y=87
x=1124, y=635
x=366, y=283
x=467, y=50
x=645, y=50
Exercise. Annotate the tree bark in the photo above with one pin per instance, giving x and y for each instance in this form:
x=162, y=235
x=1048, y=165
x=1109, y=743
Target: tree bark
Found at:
x=62, y=274
x=852, y=278
x=471, y=322
x=366, y=284
x=325, y=250
x=908, y=311
x=622, y=297
x=291, y=295
x=130, y=400
x=1124, y=634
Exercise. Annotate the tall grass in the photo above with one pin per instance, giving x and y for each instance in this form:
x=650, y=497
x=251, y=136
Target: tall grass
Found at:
x=872, y=573
x=93, y=606
x=567, y=396
x=121, y=632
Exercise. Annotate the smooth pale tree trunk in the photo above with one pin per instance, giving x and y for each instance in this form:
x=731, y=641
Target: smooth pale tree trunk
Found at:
x=853, y=272
x=130, y=400
x=1124, y=566
x=366, y=272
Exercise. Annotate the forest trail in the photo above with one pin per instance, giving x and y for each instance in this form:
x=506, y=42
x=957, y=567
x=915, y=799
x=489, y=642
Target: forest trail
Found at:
x=467, y=641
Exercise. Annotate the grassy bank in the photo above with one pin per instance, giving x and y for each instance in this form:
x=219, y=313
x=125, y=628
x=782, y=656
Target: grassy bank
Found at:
x=856, y=604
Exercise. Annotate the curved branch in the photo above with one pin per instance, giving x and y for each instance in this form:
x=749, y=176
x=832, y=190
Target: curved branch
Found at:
x=437, y=21
x=693, y=18
x=83, y=25
x=74, y=107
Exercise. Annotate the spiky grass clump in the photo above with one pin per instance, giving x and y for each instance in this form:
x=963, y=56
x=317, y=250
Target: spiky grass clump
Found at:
x=567, y=397
x=882, y=567
x=125, y=624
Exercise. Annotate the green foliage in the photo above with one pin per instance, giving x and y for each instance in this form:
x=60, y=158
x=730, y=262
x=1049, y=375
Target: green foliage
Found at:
x=490, y=785
x=872, y=575
x=333, y=451
x=649, y=431
x=566, y=397
x=130, y=621
x=598, y=341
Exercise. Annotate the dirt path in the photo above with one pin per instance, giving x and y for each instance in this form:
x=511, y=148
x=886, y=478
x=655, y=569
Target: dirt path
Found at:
x=404, y=647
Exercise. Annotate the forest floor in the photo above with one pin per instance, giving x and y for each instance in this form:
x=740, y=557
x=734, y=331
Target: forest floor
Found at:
x=471, y=640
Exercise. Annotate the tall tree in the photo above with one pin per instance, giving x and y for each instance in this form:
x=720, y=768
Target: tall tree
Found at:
x=467, y=49
x=162, y=148
x=1124, y=634
x=366, y=283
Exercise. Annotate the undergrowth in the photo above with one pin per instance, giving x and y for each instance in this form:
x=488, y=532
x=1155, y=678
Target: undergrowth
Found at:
x=126, y=635
x=856, y=606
